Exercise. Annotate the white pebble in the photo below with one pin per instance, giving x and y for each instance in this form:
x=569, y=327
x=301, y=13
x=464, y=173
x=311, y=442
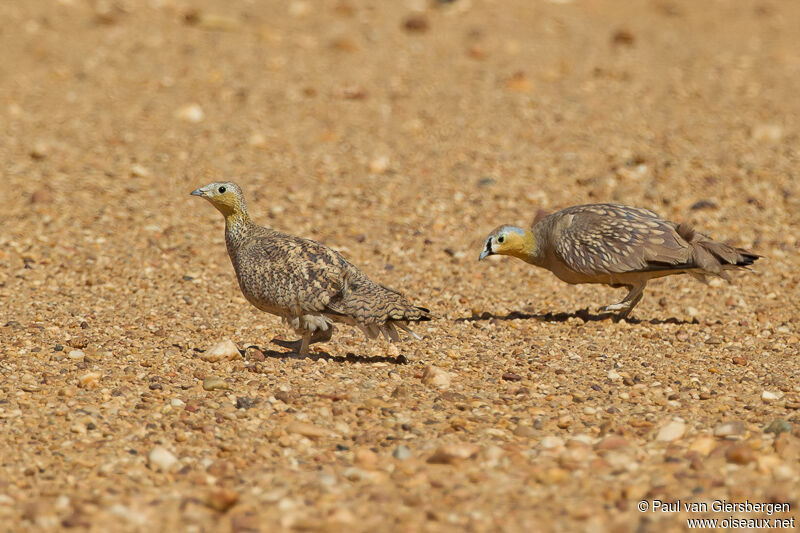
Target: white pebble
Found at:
x=162, y=459
x=671, y=431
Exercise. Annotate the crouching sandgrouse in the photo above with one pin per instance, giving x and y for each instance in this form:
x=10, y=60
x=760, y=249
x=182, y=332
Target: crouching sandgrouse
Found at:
x=616, y=245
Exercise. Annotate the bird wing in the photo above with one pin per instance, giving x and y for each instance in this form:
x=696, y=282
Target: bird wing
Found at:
x=297, y=274
x=612, y=239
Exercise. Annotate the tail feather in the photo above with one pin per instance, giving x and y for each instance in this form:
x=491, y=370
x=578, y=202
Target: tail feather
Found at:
x=375, y=309
x=712, y=257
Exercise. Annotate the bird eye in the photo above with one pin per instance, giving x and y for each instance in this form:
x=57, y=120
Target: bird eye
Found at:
x=501, y=239
x=221, y=190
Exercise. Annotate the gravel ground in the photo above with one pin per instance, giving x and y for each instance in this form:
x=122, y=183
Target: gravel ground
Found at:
x=399, y=133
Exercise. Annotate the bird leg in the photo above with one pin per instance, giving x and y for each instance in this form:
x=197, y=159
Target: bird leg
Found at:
x=305, y=342
x=628, y=303
x=320, y=335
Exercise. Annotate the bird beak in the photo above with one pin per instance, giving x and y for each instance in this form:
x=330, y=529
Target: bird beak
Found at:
x=198, y=192
x=484, y=255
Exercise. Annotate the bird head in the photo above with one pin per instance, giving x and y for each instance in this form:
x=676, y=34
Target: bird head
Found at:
x=508, y=240
x=226, y=196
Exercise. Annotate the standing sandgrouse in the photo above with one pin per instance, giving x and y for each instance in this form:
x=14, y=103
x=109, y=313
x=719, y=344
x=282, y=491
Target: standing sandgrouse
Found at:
x=616, y=245
x=306, y=283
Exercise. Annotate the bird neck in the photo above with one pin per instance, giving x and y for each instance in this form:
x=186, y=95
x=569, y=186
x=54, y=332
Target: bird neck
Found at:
x=237, y=224
x=526, y=248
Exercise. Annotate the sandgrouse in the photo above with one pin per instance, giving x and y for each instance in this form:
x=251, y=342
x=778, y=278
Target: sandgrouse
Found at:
x=306, y=283
x=616, y=245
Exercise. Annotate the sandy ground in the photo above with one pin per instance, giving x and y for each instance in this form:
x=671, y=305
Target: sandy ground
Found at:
x=399, y=133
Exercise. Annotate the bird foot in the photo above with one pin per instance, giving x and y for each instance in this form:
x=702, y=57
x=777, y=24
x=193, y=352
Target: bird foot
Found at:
x=620, y=310
x=296, y=346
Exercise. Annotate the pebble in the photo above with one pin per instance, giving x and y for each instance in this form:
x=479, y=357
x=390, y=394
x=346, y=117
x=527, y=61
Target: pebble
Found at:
x=436, y=377
x=161, y=459
x=778, y=426
x=703, y=445
x=307, y=430
x=176, y=402
x=190, y=113
x=225, y=350
x=612, y=442
x=671, y=431
x=454, y=453
x=366, y=458
x=89, y=380
x=139, y=171
x=39, y=150
x=221, y=499
x=214, y=383
x=550, y=442
x=379, y=165
x=769, y=396
x=733, y=428
x=767, y=132
x=402, y=452
x=416, y=23
x=740, y=454
x=76, y=355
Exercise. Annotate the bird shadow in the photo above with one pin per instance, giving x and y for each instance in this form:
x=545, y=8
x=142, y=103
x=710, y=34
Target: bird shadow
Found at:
x=583, y=314
x=348, y=358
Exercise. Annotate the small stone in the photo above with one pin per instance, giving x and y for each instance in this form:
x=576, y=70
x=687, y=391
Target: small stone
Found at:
x=698, y=205
x=225, y=350
x=703, y=445
x=176, y=402
x=787, y=446
x=416, y=23
x=550, y=442
x=221, y=500
x=39, y=150
x=366, y=458
x=42, y=195
x=612, y=442
x=89, y=380
x=769, y=396
x=379, y=165
x=524, y=430
x=671, y=431
x=733, y=428
x=190, y=113
x=509, y=376
x=257, y=140
x=740, y=454
x=402, y=452
x=161, y=459
x=243, y=402
x=778, y=426
x=454, y=453
x=76, y=355
x=519, y=82
x=212, y=383
x=613, y=375
x=767, y=132
x=307, y=430
x=255, y=355
x=139, y=171
x=436, y=377
x=623, y=37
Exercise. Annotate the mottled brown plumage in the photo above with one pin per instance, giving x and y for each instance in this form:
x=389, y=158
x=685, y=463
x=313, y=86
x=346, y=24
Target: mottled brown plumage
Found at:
x=305, y=282
x=616, y=245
